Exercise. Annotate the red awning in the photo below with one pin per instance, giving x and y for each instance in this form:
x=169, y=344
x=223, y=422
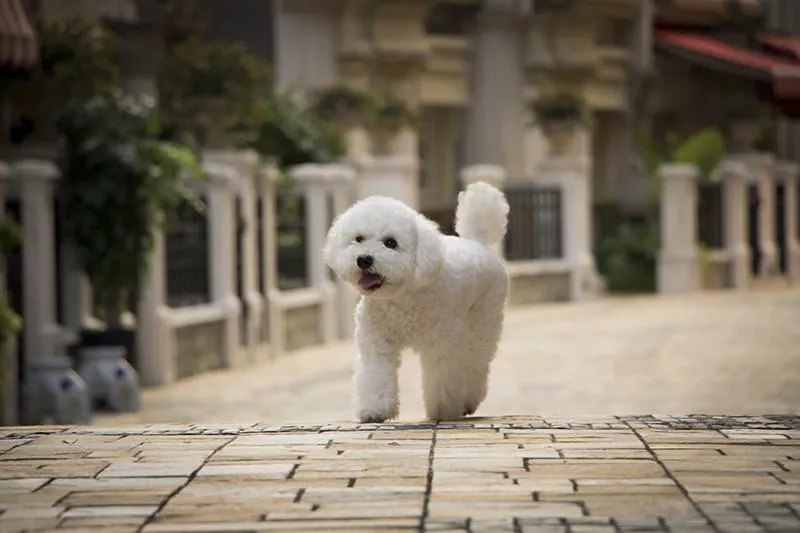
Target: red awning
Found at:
x=781, y=73
x=782, y=43
x=18, y=43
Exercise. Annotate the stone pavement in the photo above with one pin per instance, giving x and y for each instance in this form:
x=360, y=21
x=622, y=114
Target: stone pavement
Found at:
x=716, y=352
x=543, y=474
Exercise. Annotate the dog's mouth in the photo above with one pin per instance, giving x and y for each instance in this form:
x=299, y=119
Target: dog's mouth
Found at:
x=369, y=281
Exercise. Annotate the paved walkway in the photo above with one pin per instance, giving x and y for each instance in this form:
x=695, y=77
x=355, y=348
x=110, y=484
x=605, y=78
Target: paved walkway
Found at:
x=542, y=474
x=721, y=352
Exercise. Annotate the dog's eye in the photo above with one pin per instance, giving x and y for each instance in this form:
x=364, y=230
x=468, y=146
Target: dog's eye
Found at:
x=359, y=238
x=390, y=243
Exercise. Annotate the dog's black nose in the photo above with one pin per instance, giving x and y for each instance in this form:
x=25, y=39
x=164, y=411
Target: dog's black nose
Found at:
x=364, y=261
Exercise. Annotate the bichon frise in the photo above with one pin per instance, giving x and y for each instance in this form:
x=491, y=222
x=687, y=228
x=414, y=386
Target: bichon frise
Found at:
x=442, y=296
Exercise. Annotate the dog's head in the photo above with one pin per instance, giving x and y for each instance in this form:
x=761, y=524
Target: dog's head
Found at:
x=382, y=247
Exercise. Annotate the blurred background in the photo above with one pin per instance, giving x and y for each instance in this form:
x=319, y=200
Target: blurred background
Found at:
x=169, y=169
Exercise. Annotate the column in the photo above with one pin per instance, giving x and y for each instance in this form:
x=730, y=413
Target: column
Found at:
x=246, y=163
x=312, y=180
x=788, y=174
x=268, y=180
x=222, y=254
x=734, y=176
x=53, y=391
x=76, y=293
x=496, y=116
x=155, y=338
x=342, y=179
x=494, y=175
x=677, y=259
x=764, y=169
x=393, y=176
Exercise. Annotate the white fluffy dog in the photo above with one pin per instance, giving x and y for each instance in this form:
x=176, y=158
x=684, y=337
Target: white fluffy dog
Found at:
x=442, y=296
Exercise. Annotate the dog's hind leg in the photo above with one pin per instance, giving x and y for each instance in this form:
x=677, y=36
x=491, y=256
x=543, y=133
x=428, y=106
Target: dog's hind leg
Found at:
x=485, y=326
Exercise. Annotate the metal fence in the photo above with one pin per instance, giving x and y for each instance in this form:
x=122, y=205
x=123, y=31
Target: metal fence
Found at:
x=710, y=215
x=290, y=212
x=445, y=218
x=187, y=258
x=535, y=229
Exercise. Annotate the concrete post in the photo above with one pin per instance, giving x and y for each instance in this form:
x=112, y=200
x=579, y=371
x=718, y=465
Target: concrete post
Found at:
x=761, y=168
x=312, y=180
x=246, y=163
x=53, y=391
x=734, y=176
x=222, y=254
x=788, y=174
x=393, y=176
x=342, y=179
x=678, y=270
x=494, y=175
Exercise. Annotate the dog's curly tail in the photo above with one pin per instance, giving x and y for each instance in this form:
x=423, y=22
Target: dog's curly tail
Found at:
x=482, y=214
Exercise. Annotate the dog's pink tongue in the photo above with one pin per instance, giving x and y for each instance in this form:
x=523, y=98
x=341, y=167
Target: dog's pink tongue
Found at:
x=369, y=281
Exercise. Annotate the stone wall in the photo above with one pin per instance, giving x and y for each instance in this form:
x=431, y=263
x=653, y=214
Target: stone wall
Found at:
x=199, y=348
x=535, y=288
x=302, y=327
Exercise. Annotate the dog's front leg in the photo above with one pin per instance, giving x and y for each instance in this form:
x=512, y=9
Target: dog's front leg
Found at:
x=376, y=379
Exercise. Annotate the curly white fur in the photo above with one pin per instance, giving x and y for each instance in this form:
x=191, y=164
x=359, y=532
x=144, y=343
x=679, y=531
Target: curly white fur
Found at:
x=442, y=296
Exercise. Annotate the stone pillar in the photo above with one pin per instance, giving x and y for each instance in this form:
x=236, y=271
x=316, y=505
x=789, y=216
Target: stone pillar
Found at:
x=496, y=116
x=155, y=339
x=268, y=181
x=761, y=168
x=76, y=293
x=222, y=254
x=312, y=180
x=342, y=179
x=53, y=391
x=393, y=176
x=788, y=174
x=246, y=163
x=677, y=260
x=495, y=176
x=734, y=176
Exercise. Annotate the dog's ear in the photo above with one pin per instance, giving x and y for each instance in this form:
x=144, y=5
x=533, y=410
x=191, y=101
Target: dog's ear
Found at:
x=430, y=252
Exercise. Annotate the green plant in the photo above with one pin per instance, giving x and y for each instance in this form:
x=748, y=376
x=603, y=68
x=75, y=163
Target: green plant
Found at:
x=705, y=149
x=559, y=107
x=211, y=90
x=391, y=114
x=119, y=183
x=10, y=322
x=76, y=61
x=342, y=104
x=627, y=253
x=291, y=134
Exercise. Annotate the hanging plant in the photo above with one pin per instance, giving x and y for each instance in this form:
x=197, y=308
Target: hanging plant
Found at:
x=342, y=105
x=119, y=182
x=210, y=91
x=389, y=116
x=559, y=107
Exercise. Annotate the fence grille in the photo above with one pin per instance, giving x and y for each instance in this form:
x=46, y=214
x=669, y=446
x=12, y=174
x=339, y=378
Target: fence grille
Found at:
x=445, y=218
x=187, y=258
x=534, y=223
x=260, y=251
x=290, y=211
x=710, y=215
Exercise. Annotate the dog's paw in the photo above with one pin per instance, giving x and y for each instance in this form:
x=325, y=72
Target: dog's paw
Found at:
x=374, y=417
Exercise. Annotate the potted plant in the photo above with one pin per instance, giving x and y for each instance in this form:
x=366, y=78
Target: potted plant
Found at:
x=119, y=182
x=10, y=324
x=559, y=115
x=342, y=106
x=389, y=116
x=76, y=61
x=207, y=91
